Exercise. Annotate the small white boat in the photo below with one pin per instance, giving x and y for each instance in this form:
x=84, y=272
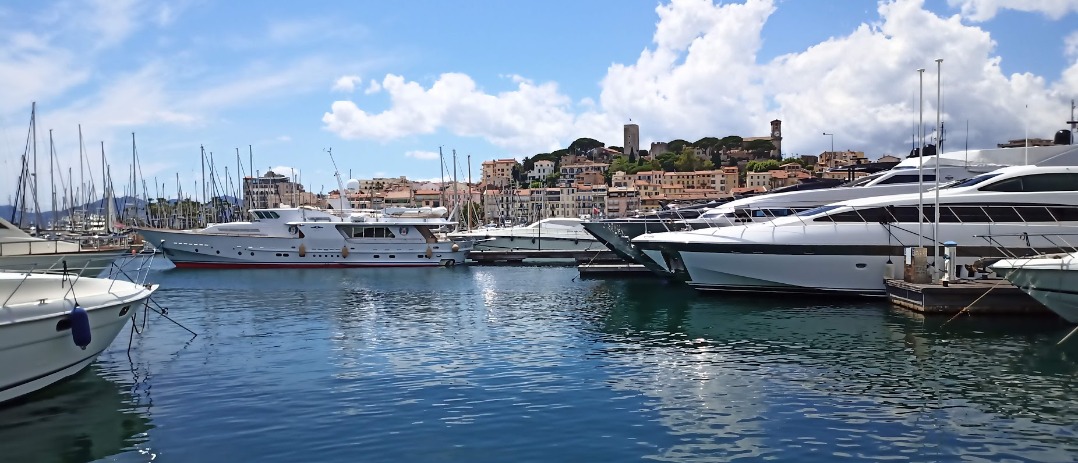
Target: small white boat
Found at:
x=53, y=326
x=1050, y=279
x=553, y=234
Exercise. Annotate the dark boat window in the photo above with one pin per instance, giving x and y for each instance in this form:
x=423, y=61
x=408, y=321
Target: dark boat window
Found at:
x=907, y=178
x=1035, y=214
x=1065, y=214
x=968, y=214
x=1003, y=214
x=855, y=215
x=818, y=210
x=1035, y=183
x=974, y=180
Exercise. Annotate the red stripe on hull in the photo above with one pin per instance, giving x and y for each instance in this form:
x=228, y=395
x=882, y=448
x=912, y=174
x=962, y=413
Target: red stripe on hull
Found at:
x=288, y=265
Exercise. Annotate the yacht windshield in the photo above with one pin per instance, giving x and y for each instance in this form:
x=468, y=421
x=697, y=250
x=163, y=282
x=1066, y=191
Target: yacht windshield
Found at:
x=818, y=210
x=862, y=181
x=972, y=181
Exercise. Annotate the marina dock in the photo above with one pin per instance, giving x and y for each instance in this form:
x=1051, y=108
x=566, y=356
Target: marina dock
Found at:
x=989, y=296
x=613, y=269
x=520, y=255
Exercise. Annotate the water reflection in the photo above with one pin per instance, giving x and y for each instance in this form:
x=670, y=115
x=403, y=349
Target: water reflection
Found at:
x=735, y=376
x=84, y=418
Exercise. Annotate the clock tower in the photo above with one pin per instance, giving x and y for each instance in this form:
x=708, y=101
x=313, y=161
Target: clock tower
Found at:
x=776, y=138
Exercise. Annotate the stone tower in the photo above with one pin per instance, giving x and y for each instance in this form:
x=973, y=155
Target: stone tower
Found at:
x=632, y=140
x=776, y=138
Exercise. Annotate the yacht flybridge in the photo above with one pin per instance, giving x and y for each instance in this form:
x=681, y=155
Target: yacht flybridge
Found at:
x=845, y=247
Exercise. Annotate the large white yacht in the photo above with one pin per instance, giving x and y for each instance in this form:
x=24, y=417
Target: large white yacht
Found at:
x=845, y=247
x=52, y=326
x=909, y=176
x=554, y=234
x=312, y=237
x=1050, y=279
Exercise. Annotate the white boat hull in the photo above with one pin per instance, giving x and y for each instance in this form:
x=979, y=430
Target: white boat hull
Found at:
x=193, y=250
x=746, y=258
x=36, y=344
x=1051, y=281
x=546, y=243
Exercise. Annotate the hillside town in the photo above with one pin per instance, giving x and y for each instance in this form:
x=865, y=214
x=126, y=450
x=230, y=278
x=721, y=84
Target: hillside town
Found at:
x=588, y=179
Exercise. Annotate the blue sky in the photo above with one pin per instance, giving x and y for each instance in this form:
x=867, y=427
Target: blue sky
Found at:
x=385, y=84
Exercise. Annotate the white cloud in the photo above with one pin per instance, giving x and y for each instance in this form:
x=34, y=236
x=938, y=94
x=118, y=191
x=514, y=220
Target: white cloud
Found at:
x=284, y=138
x=529, y=116
x=427, y=155
x=346, y=84
x=290, y=172
x=984, y=10
x=702, y=77
x=373, y=87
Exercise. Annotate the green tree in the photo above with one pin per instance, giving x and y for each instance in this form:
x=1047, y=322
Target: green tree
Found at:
x=666, y=161
x=762, y=166
x=621, y=163
x=760, y=148
x=675, y=146
x=472, y=214
x=731, y=142
x=552, y=179
x=688, y=161
x=583, y=145
x=799, y=161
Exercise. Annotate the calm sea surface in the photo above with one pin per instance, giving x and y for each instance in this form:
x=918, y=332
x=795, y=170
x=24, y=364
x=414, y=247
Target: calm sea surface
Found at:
x=500, y=364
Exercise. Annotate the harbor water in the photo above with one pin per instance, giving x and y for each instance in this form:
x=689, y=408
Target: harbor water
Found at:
x=522, y=364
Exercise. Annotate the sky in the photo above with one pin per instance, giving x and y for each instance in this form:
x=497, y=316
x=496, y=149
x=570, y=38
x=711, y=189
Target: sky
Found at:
x=377, y=88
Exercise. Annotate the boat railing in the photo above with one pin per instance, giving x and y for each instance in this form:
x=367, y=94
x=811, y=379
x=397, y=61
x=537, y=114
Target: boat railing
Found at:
x=955, y=213
x=1039, y=243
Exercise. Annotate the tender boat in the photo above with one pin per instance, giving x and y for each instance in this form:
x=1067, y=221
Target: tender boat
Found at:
x=1050, y=279
x=312, y=237
x=53, y=326
x=554, y=234
x=845, y=247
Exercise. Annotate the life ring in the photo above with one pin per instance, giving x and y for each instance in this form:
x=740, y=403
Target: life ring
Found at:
x=292, y=229
x=403, y=231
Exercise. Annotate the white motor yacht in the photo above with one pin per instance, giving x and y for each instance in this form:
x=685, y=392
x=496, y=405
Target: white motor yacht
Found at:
x=312, y=237
x=52, y=326
x=1050, y=279
x=555, y=233
x=846, y=247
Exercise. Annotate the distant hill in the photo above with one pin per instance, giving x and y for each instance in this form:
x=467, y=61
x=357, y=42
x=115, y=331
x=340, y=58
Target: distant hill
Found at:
x=123, y=203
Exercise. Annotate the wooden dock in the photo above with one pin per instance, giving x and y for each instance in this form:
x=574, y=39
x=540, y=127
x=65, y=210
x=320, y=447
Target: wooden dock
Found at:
x=991, y=296
x=608, y=269
x=545, y=255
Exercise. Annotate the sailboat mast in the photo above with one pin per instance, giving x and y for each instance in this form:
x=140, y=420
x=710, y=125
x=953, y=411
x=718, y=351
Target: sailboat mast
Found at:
x=37, y=204
x=83, y=198
x=441, y=181
x=921, y=159
x=468, y=220
x=939, y=151
x=456, y=198
x=52, y=178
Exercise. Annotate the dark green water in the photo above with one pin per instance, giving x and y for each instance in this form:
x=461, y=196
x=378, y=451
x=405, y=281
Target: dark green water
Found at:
x=495, y=364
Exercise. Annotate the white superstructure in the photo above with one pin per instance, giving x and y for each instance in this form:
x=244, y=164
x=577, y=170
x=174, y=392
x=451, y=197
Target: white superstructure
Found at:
x=556, y=233
x=312, y=237
x=845, y=247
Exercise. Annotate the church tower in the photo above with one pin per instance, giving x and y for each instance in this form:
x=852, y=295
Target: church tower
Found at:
x=776, y=138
